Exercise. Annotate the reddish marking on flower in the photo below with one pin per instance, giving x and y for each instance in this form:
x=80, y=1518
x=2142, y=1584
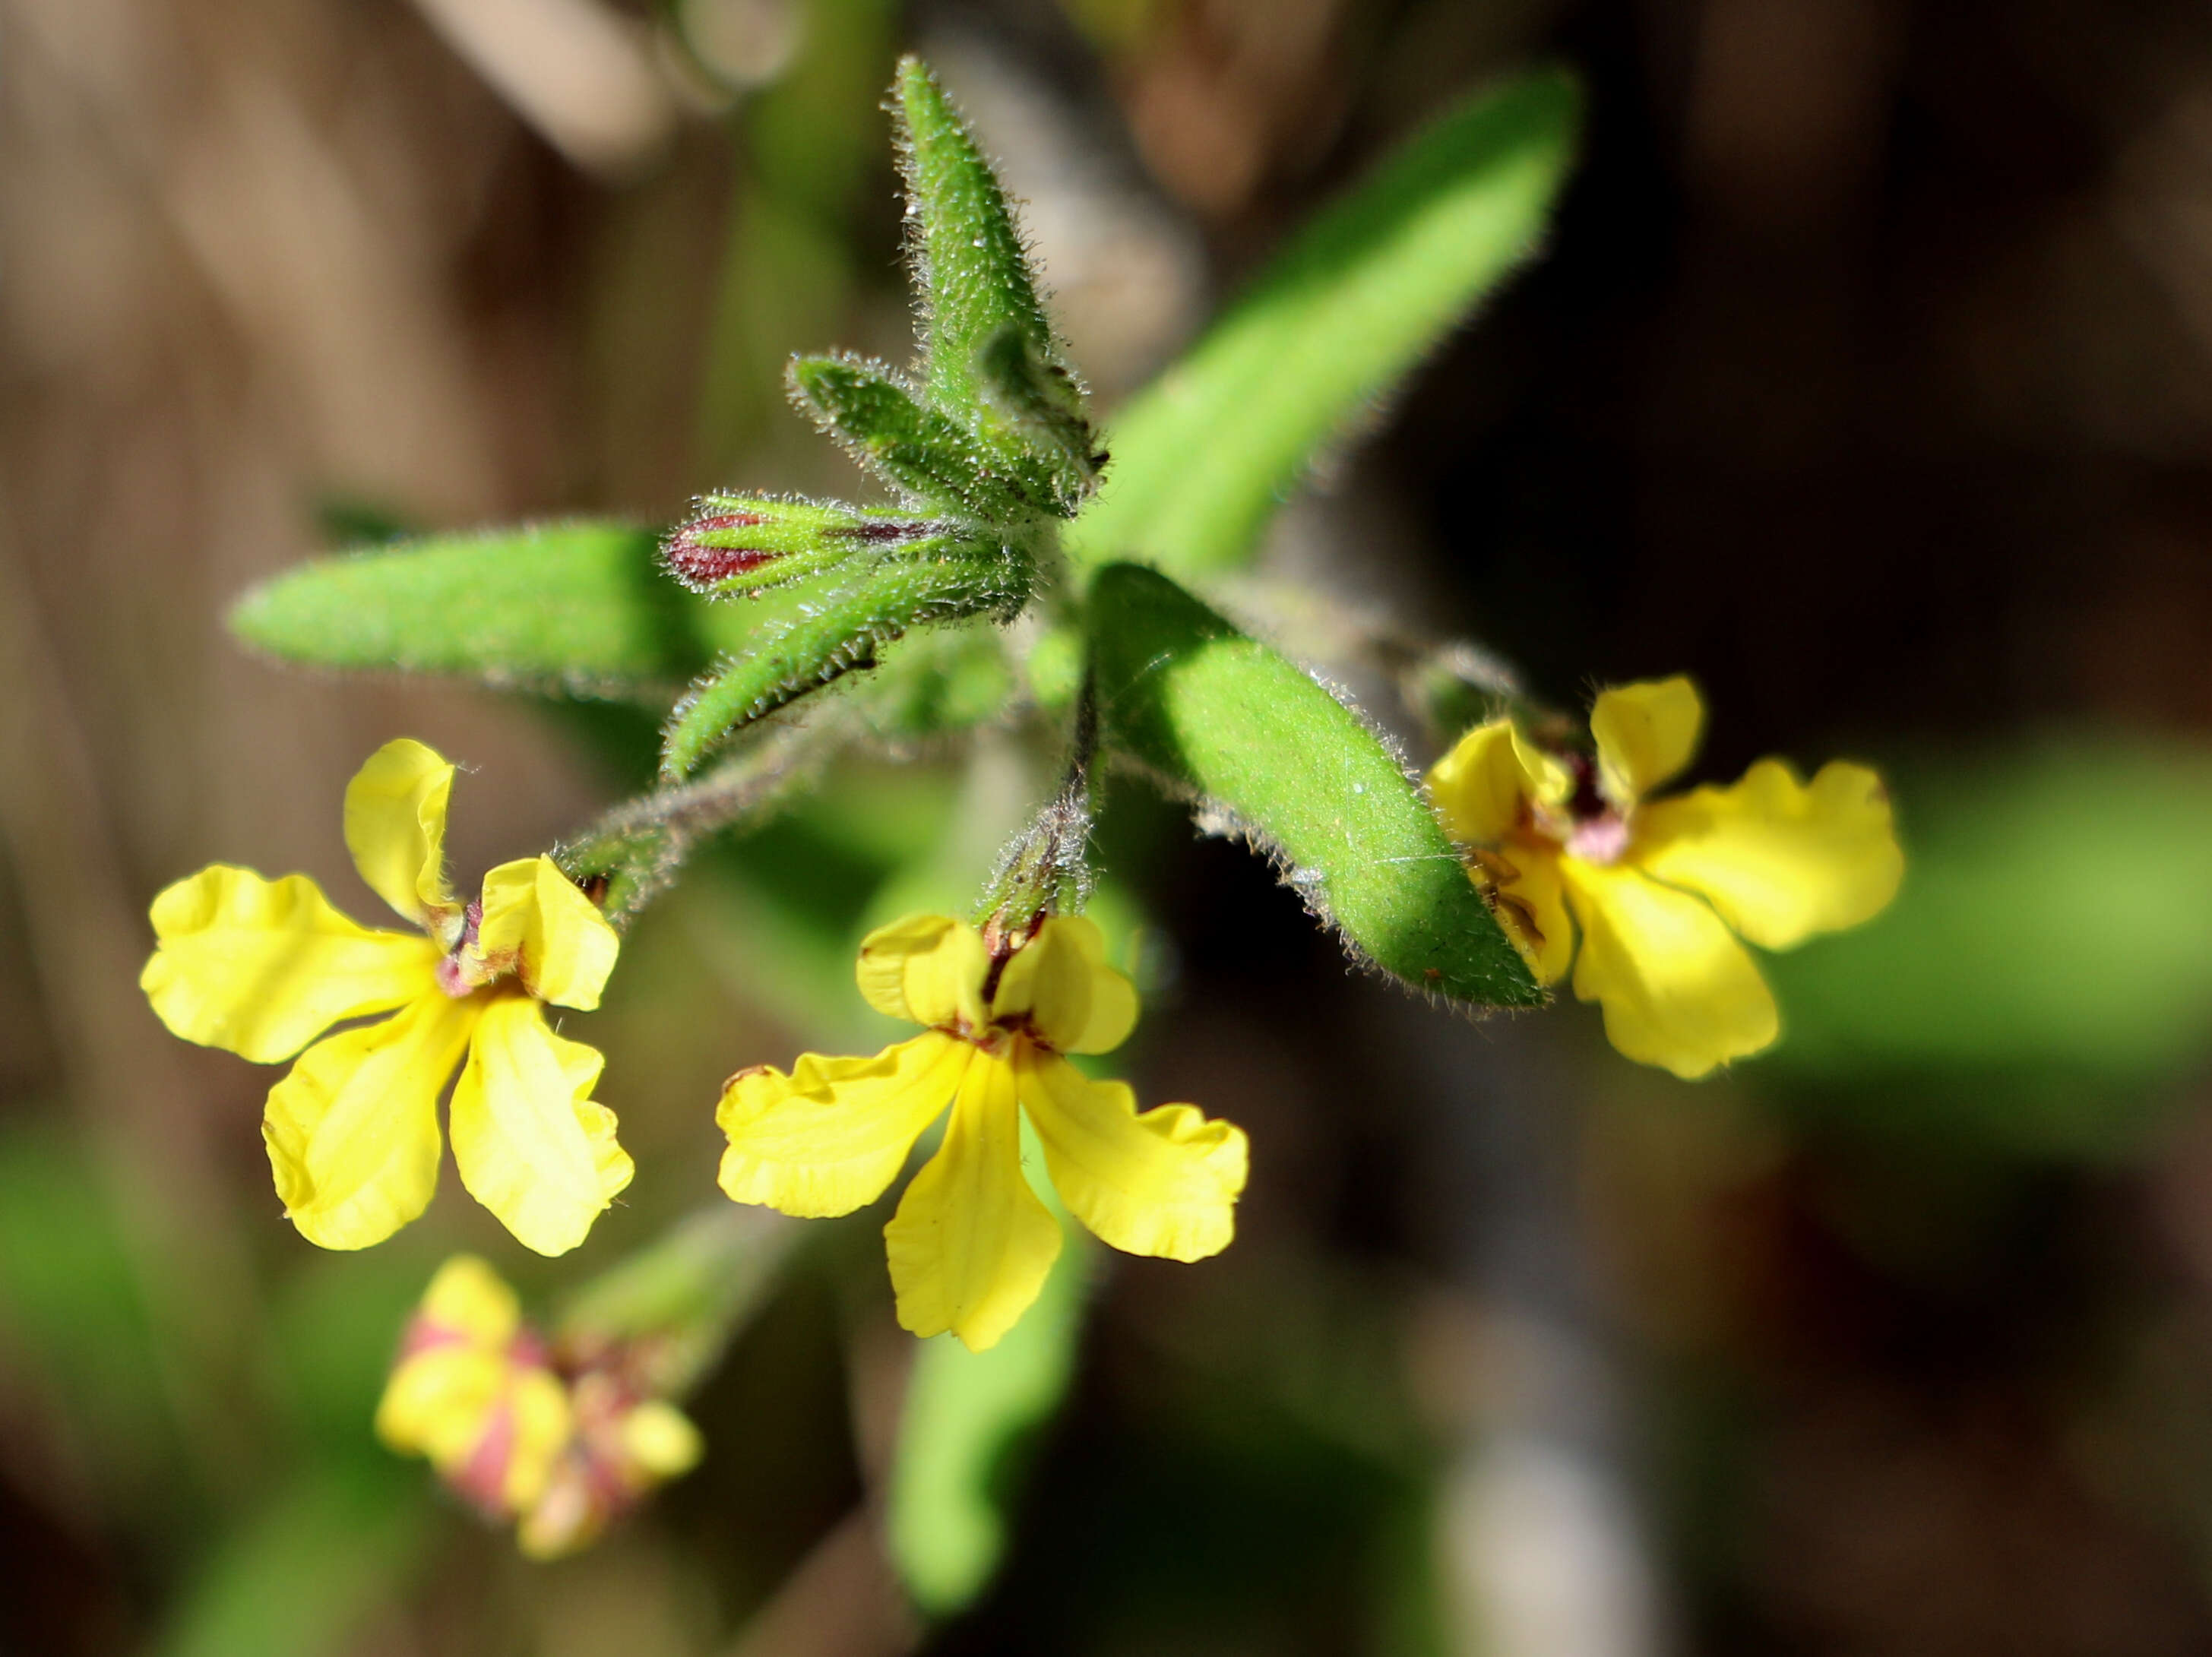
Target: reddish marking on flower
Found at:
x=1599, y=840
x=425, y=1336
x=482, y=1476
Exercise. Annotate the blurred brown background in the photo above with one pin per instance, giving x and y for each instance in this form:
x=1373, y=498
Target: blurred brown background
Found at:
x=1869, y=376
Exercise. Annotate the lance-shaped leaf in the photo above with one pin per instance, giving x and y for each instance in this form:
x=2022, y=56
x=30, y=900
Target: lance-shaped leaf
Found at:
x=1270, y=755
x=837, y=624
x=578, y=609
x=915, y=447
x=743, y=545
x=1205, y=455
x=577, y=606
x=974, y=275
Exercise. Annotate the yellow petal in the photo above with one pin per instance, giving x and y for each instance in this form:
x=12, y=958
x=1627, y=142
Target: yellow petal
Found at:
x=1533, y=905
x=491, y=1419
x=469, y=1302
x=928, y=969
x=829, y=1137
x=970, y=1244
x=536, y=1433
x=438, y=1403
x=395, y=827
x=352, y=1133
x=1645, y=733
x=261, y=968
x=1164, y=1183
x=1779, y=860
x=537, y=923
x=660, y=1440
x=1074, y=1001
x=1480, y=786
x=1678, y=990
x=530, y=1142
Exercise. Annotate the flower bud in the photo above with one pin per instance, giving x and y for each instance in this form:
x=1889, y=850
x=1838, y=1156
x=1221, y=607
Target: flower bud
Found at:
x=623, y=1446
x=747, y=544
x=473, y=1392
x=559, y=1444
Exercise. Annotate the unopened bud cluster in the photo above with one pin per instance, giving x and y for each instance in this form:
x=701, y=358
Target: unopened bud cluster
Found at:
x=557, y=1445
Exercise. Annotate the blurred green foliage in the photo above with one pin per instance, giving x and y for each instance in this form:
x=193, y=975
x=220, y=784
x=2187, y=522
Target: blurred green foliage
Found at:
x=2045, y=979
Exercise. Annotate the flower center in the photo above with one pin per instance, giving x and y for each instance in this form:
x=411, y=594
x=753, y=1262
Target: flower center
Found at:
x=463, y=970
x=1588, y=826
x=1599, y=840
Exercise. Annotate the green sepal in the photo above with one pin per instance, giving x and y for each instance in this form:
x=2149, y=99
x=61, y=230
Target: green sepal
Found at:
x=1335, y=322
x=969, y=263
x=742, y=545
x=837, y=625
x=1268, y=754
x=581, y=607
x=1032, y=406
x=914, y=447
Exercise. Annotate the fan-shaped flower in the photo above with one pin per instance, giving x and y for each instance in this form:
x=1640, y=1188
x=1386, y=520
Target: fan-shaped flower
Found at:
x=1662, y=890
x=971, y=1242
x=262, y=967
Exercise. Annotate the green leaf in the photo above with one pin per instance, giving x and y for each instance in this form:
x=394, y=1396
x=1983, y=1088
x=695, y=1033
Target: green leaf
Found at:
x=1271, y=756
x=970, y=1419
x=1340, y=318
x=836, y=625
x=917, y=448
x=974, y=274
x=583, y=607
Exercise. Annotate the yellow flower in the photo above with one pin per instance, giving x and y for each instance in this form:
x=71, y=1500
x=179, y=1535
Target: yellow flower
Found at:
x=477, y=1393
x=623, y=1444
x=262, y=967
x=971, y=1243
x=1663, y=888
x=473, y=1392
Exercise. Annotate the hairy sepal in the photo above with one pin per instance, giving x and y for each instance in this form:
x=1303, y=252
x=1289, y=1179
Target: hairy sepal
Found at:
x=839, y=624
x=918, y=449
x=1033, y=407
x=741, y=546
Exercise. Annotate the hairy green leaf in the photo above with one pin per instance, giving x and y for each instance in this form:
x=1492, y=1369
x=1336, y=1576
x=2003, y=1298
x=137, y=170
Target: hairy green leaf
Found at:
x=974, y=275
x=1205, y=455
x=1270, y=755
x=581, y=606
x=834, y=626
x=916, y=448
